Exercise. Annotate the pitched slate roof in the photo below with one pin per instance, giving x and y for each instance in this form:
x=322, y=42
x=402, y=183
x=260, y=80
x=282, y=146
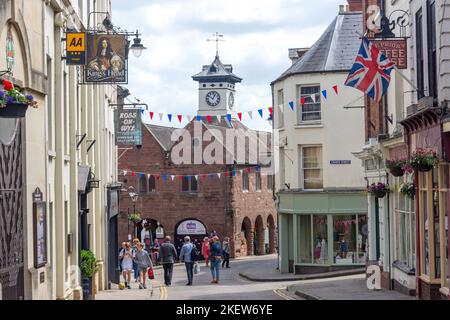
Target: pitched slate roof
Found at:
x=162, y=135
x=335, y=50
x=217, y=71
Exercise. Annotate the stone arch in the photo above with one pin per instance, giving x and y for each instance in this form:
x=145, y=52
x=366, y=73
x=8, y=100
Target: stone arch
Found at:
x=22, y=45
x=272, y=236
x=246, y=245
x=259, y=236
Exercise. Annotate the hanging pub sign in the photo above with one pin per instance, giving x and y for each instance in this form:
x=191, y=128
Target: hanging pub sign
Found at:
x=76, y=48
x=128, y=127
x=106, y=60
x=395, y=50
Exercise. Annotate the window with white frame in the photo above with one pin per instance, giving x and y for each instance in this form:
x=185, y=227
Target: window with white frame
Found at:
x=405, y=225
x=280, y=109
x=311, y=167
x=311, y=110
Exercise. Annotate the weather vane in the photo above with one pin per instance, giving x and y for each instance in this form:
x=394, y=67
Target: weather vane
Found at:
x=217, y=38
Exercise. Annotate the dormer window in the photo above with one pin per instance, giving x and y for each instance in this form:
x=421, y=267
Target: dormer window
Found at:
x=213, y=68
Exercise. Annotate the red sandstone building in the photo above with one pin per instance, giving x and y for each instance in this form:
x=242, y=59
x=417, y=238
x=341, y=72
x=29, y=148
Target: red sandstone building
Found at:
x=232, y=199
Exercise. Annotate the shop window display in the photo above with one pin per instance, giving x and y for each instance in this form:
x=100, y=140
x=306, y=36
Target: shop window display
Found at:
x=321, y=239
x=350, y=239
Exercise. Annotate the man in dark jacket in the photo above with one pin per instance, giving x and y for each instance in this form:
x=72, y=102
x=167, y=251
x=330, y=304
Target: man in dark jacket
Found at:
x=168, y=255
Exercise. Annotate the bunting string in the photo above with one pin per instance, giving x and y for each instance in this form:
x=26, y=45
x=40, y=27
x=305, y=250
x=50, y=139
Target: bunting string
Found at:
x=171, y=177
x=304, y=99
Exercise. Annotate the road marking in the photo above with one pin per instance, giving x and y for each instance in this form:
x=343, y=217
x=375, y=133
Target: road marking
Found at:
x=164, y=293
x=282, y=295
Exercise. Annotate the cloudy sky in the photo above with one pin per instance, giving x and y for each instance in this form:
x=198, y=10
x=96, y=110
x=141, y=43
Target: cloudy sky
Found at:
x=258, y=34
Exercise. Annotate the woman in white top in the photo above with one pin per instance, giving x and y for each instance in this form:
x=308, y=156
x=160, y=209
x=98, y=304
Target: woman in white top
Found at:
x=127, y=264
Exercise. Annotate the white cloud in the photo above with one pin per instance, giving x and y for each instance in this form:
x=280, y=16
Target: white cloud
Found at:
x=258, y=34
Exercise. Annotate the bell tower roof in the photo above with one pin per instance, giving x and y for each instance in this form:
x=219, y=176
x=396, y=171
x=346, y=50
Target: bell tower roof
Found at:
x=217, y=72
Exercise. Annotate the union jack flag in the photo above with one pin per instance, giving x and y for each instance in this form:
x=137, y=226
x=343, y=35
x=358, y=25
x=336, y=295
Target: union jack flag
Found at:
x=371, y=72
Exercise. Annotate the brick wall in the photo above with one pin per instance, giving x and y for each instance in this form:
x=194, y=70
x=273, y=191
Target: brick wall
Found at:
x=219, y=204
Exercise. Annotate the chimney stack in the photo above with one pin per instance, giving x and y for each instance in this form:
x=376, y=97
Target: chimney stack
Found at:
x=296, y=54
x=355, y=5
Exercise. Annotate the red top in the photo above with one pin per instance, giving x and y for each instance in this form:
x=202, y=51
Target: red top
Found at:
x=205, y=249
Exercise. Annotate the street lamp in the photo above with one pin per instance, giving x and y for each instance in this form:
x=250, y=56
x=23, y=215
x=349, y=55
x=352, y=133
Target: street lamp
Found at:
x=134, y=197
x=137, y=47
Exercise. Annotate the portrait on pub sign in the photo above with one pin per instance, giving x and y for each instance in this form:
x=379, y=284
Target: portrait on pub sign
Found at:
x=106, y=59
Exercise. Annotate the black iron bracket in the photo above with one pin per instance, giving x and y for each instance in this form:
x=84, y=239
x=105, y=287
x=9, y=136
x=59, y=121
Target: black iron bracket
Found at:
x=92, y=142
x=83, y=136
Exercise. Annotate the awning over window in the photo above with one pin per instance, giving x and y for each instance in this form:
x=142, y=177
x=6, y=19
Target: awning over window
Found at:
x=83, y=176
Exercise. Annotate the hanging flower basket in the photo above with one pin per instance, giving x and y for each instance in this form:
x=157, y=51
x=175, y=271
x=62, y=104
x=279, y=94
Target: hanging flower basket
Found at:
x=13, y=102
x=395, y=167
x=423, y=160
x=408, y=189
x=379, y=190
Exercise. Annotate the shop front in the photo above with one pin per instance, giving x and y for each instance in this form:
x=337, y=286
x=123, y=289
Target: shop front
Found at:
x=432, y=205
x=193, y=228
x=325, y=231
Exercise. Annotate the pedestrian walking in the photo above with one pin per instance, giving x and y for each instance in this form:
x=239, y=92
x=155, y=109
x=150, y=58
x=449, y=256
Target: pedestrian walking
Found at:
x=121, y=251
x=135, y=266
x=215, y=257
x=226, y=252
x=127, y=264
x=168, y=255
x=205, y=250
x=143, y=260
x=188, y=255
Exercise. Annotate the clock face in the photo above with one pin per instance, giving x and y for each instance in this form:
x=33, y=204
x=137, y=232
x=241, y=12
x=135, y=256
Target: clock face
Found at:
x=213, y=98
x=231, y=100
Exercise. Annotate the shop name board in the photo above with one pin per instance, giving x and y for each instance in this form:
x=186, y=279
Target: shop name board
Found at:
x=76, y=48
x=191, y=227
x=395, y=50
x=337, y=162
x=128, y=127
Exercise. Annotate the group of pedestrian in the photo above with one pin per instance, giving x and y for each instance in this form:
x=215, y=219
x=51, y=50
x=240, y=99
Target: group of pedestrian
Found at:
x=133, y=257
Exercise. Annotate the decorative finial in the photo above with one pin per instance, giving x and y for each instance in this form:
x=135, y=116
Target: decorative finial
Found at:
x=217, y=38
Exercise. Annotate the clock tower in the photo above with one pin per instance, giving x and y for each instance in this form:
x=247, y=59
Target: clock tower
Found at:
x=217, y=89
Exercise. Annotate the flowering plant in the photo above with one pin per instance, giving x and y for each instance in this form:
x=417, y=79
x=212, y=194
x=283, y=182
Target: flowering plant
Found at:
x=135, y=218
x=396, y=166
x=408, y=189
x=11, y=95
x=379, y=189
x=424, y=159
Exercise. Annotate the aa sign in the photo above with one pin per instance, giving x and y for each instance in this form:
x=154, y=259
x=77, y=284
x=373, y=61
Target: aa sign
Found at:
x=76, y=48
x=374, y=277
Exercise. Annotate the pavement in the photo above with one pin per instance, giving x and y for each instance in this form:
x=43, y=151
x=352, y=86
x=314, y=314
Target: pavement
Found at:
x=234, y=285
x=343, y=288
x=267, y=271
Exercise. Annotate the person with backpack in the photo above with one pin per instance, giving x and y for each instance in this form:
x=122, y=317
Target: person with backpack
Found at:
x=143, y=262
x=216, y=257
x=168, y=255
x=189, y=255
x=226, y=252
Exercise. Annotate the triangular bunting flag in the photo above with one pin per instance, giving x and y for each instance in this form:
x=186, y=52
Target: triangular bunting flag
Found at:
x=151, y=115
x=180, y=117
x=271, y=111
x=142, y=111
x=250, y=114
x=172, y=177
x=291, y=104
x=240, y=116
x=156, y=176
x=164, y=178
x=233, y=173
x=335, y=88
x=249, y=170
x=208, y=118
x=199, y=118
x=125, y=172
x=160, y=116
x=148, y=176
x=170, y=117
x=188, y=178
x=133, y=174
x=241, y=171
x=260, y=111
x=227, y=174
x=219, y=118
x=313, y=98
x=324, y=93
x=196, y=177
x=181, y=178
x=189, y=118
x=218, y=175
x=229, y=117
x=302, y=101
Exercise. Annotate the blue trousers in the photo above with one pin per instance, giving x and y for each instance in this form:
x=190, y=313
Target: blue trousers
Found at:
x=136, y=271
x=215, y=267
x=190, y=271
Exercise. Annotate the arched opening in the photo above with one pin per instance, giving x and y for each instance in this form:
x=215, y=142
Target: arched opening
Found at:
x=152, y=184
x=142, y=184
x=272, y=238
x=193, y=228
x=259, y=236
x=246, y=246
x=149, y=231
